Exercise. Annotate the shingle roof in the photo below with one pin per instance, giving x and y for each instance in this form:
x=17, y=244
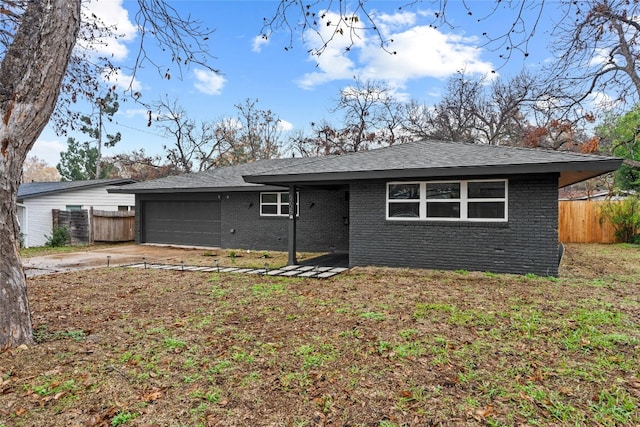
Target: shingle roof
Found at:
x=427, y=158
x=29, y=190
x=213, y=180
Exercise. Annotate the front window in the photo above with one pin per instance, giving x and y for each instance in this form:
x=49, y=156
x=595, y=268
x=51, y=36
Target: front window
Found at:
x=276, y=204
x=484, y=200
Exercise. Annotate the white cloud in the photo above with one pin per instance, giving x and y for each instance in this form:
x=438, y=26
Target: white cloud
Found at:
x=421, y=51
x=208, y=82
x=134, y=113
x=112, y=14
x=284, y=125
x=258, y=43
x=48, y=150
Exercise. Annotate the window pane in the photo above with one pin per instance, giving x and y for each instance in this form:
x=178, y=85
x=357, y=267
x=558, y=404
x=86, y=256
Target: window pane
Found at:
x=443, y=190
x=284, y=209
x=486, y=210
x=486, y=190
x=284, y=197
x=269, y=209
x=404, y=191
x=443, y=210
x=404, y=210
x=269, y=198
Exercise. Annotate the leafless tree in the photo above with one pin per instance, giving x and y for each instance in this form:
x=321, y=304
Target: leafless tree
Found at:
x=195, y=145
x=369, y=108
x=140, y=166
x=253, y=134
x=473, y=110
x=371, y=117
x=38, y=63
x=596, y=48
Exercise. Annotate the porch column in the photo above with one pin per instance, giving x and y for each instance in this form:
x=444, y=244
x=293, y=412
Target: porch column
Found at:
x=292, y=225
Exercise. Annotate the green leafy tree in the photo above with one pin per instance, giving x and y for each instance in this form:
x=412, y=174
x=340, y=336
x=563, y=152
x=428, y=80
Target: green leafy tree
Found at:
x=622, y=136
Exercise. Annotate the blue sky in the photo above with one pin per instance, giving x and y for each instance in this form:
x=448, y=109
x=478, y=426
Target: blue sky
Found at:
x=297, y=87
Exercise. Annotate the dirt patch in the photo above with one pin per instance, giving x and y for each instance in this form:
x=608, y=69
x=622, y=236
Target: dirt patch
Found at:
x=117, y=255
x=373, y=347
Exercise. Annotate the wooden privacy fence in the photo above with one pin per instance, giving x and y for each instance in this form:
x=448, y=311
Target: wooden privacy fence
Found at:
x=112, y=226
x=579, y=221
x=88, y=226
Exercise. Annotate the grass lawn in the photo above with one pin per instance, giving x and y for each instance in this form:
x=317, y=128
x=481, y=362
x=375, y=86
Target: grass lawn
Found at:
x=372, y=347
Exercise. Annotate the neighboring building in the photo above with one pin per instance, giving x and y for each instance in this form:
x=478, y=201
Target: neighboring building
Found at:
x=37, y=200
x=424, y=204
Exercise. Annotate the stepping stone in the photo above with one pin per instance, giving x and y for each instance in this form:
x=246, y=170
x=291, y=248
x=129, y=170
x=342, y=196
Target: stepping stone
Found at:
x=288, y=271
x=307, y=274
x=326, y=275
x=291, y=273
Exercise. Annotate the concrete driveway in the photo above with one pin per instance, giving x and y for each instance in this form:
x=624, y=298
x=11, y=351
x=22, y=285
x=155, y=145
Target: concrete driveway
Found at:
x=118, y=255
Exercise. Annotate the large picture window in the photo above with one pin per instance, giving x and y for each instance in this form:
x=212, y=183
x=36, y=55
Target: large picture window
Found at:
x=276, y=204
x=481, y=200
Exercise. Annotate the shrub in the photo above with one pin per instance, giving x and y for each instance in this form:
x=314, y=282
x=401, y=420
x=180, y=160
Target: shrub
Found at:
x=624, y=217
x=59, y=237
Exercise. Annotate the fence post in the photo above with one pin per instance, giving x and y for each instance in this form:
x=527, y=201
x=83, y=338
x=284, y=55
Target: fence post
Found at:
x=91, y=222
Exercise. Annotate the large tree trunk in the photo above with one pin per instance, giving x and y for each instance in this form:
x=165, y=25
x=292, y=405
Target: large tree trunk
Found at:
x=30, y=77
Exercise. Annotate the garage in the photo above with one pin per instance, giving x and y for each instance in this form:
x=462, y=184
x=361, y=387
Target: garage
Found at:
x=185, y=222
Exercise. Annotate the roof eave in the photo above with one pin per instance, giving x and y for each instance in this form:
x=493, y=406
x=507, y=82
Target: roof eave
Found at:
x=123, y=181
x=243, y=188
x=574, y=172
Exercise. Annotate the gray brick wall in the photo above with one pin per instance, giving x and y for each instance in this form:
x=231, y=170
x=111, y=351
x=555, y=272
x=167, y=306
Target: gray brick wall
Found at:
x=526, y=244
x=320, y=225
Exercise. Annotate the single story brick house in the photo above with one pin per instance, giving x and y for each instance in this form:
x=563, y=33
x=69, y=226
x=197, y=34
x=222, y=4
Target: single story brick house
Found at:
x=423, y=204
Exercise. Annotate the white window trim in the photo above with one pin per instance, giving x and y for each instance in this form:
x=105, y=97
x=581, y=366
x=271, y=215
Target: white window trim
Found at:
x=279, y=204
x=464, y=201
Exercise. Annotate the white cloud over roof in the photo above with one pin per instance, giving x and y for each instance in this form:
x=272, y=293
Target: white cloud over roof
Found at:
x=421, y=51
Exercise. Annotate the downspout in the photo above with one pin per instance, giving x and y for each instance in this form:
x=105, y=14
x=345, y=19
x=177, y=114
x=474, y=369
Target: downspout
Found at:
x=24, y=230
x=292, y=225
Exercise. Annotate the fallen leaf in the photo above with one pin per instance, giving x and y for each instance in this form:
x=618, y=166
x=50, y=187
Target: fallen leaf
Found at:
x=153, y=396
x=484, y=413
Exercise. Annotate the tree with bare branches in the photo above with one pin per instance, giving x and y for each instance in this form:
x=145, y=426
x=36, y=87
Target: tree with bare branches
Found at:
x=371, y=117
x=596, y=45
x=39, y=63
